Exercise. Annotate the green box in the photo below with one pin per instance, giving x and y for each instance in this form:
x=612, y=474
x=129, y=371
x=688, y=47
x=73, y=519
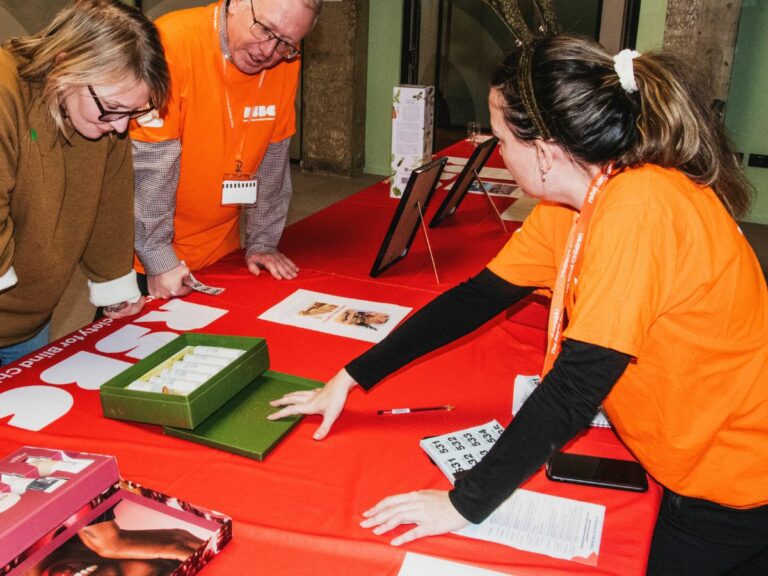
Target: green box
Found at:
x=190, y=410
x=241, y=425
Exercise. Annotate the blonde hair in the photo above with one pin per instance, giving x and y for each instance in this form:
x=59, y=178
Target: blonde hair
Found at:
x=585, y=110
x=92, y=42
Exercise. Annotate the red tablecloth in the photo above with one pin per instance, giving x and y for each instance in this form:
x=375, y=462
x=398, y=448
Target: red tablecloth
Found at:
x=297, y=513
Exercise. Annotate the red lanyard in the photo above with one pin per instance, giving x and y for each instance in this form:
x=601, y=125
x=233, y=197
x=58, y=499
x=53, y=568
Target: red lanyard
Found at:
x=570, y=267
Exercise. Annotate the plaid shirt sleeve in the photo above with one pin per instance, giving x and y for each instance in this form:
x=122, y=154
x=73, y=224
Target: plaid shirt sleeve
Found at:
x=156, y=167
x=265, y=219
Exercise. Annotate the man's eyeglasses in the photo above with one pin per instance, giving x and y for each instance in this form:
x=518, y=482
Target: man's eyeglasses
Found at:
x=114, y=115
x=263, y=33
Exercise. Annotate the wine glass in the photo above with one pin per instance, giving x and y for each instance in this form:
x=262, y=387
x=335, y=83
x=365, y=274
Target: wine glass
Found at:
x=474, y=130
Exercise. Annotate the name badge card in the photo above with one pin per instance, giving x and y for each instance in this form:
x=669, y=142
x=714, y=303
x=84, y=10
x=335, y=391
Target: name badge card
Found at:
x=236, y=190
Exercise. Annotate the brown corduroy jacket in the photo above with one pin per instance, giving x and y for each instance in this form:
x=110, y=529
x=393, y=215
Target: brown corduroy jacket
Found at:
x=62, y=203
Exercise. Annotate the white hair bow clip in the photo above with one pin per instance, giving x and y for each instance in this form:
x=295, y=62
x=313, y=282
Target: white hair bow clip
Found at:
x=622, y=63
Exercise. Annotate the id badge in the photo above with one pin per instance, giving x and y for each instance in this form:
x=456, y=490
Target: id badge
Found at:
x=239, y=189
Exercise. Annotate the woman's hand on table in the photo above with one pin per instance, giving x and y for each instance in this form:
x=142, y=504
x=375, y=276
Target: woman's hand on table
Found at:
x=328, y=401
x=124, y=309
x=430, y=510
x=277, y=264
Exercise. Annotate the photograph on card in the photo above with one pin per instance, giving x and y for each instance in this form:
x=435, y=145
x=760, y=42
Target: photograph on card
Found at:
x=370, y=319
x=319, y=310
x=496, y=189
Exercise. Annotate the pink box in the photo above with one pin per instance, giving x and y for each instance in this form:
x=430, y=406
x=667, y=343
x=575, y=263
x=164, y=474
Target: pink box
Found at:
x=78, y=517
x=40, y=504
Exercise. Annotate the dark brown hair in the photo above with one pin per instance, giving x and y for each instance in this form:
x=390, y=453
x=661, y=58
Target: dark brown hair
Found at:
x=586, y=111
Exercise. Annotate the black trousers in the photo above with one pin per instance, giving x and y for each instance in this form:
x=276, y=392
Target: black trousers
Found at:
x=698, y=537
x=141, y=280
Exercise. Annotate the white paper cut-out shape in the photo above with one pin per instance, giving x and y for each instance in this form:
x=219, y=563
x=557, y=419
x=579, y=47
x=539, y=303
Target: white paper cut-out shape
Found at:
x=87, y=370
x=135, y=341
x=34, y=407
x=183, y=316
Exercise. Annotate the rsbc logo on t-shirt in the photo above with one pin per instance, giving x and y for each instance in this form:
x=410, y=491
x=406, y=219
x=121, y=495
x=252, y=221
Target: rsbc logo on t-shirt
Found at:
x=260, y=113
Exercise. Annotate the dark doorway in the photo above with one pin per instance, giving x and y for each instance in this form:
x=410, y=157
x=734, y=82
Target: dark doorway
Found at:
x=455, y=45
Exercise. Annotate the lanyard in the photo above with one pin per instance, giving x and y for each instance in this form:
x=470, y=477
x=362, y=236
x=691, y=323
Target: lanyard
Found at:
x=570, y=267
x=247, y=122
x=230, y=116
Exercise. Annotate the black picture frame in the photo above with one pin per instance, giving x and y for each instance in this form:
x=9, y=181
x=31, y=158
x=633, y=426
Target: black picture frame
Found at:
x=463, y=182
x=405, y=222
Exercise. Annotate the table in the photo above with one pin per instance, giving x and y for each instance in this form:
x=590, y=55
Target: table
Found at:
x=344, y=238
x=297, y=513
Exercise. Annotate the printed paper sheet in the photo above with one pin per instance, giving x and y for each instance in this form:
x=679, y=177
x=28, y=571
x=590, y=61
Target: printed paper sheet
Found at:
x=419, y=565
x=348, y=317
x=534, y=522
x=530, y=521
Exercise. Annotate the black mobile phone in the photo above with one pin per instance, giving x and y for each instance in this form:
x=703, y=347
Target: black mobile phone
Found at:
x=597, y=471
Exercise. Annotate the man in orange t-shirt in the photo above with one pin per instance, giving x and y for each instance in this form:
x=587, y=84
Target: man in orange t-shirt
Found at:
x=222, y=141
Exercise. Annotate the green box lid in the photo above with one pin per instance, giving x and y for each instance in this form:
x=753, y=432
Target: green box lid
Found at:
x=241, y=425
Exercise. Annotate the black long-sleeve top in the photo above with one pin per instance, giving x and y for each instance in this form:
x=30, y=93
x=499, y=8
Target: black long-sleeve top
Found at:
x=564, y=404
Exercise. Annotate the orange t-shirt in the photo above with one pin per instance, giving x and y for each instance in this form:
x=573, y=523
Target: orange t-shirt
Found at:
x=197, y=115
x=668, y=278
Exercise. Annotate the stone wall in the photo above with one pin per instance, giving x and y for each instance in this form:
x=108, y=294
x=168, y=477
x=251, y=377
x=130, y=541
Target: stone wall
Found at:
x=703, y=32
x=334, y=90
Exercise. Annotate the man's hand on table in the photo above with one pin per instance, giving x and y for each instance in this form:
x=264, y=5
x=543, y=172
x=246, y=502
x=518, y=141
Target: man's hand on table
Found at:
x=169, y=284
x=277, y=264
x=430, y=510
x=328, y=401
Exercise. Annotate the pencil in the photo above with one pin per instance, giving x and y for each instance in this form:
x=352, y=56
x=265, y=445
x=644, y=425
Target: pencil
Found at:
x=421, y=409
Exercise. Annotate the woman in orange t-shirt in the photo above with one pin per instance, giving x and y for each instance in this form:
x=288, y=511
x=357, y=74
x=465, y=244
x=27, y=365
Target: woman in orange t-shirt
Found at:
x=666, y=305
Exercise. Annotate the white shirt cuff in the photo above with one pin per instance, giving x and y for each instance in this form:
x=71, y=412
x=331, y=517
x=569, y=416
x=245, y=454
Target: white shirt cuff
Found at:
x=8, y=279
x=123, y=289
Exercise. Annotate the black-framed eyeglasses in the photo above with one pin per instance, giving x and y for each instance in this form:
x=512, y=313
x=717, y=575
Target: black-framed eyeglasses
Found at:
x=114, y=115
x=263, y=33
